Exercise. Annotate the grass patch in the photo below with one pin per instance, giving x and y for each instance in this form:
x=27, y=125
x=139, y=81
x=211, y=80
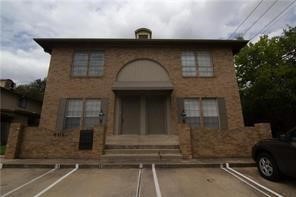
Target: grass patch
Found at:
x=2, y=150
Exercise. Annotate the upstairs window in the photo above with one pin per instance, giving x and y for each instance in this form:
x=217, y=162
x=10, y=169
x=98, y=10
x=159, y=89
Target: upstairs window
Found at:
x=188, y=64
x=197, y=64
x=204, y=64
x=88, y=63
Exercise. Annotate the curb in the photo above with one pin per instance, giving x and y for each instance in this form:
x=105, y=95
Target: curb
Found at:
x=12, y=165
x=128, y=165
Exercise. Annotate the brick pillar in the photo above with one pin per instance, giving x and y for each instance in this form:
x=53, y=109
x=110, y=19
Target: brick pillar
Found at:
x=263, y=130
x=14, y=140
x=99, y=139
x=185, y=140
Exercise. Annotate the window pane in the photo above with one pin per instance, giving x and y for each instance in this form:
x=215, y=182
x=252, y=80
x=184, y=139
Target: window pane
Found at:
x=72, y=123
x=188, y=64
x=90, y=122
x=205, y=66
x=191, y=107
x=91, y=113
x=211, y=122
x=80, y=64
x=74, y=108
x=194, y=122
x=92, y=108
x=96, y=64
x=210, y=113
x=205, y=71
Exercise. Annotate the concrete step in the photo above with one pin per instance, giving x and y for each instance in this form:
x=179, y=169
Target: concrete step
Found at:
x=142, y=151
x=140, y=157
x=142, y=139
x=140, y=146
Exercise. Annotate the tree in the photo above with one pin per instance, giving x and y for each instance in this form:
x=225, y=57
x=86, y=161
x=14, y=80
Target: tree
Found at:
x=33, y=90
x=266, y=73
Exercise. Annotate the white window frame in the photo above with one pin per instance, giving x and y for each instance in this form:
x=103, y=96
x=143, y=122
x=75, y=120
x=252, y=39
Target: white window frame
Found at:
x=101, y=65
x=82, y=115
x=197, y=68
x=218, y=112
x=211, y=66
x=85, y=116
x=66, y=116
x=198, y=118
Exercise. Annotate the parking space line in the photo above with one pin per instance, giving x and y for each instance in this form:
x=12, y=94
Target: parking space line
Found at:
x=139, y=180
x=241, y=179
x=31, y=181
x=56, y=182
x=252, y=181
x=157, y=189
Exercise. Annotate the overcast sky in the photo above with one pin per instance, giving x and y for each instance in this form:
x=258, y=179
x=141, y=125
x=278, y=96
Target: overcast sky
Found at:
x=23, y=61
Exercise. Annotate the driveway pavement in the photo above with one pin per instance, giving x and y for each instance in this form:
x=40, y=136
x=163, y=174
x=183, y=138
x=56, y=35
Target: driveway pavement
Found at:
x=286, y=187
x=142, y=182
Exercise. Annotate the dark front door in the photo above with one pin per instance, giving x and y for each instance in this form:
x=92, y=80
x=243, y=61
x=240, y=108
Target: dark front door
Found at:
x=156, y=114
x=130, y=114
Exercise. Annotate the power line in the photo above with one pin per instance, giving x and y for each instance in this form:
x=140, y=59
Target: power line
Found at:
x=258, y=19
x=270, y=22
x=245, y=19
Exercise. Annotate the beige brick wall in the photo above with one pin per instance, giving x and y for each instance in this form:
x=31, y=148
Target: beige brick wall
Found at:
x=61, y=85
x=14, y=140
x=184, y=132
x=236, y=142
x=37, y=142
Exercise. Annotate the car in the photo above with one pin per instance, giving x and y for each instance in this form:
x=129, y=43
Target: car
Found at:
x=276, y=157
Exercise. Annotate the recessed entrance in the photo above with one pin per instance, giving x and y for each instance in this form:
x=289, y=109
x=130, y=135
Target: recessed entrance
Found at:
x=130, y=114
x=155, y=114
x=144, y=114
x=142, y=89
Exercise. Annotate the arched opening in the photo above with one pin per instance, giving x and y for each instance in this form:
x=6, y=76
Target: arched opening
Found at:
x=142, y=89
x=142, y=75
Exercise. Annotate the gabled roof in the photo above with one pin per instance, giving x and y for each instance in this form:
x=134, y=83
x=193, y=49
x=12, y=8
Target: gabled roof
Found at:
x=49, y=43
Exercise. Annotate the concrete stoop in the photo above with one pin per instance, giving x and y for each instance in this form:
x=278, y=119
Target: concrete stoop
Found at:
x=141, y=153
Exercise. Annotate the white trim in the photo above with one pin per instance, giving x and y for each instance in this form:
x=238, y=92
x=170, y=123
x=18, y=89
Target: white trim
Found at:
x=138, y=193
x=56, y=182
x=252, y=181
x=31, y=181
x=156, y=184
x=236, y=176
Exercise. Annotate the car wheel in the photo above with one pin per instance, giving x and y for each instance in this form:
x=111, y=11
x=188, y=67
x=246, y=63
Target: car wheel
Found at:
x=268, y=167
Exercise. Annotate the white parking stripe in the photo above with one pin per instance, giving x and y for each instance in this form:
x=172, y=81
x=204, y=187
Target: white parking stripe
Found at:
x=31, y=181
x=157, y=189
x=236, y=176
x=56, y=182
x=139, y=180
x=252, y=181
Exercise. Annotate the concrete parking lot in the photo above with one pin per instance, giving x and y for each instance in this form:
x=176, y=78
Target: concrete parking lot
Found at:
x=136, y=182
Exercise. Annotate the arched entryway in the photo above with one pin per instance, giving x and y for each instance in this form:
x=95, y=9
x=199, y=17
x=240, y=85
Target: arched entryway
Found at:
x=142, y=89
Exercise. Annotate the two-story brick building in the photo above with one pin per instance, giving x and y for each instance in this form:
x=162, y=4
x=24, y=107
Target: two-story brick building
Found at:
x=140, y=91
